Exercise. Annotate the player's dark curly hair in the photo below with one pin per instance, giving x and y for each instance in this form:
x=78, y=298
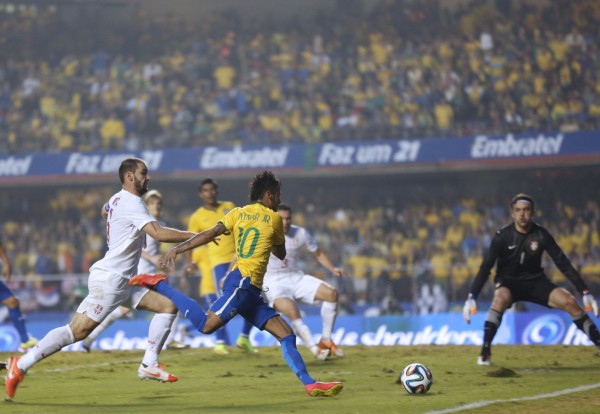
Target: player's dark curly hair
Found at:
x=128, y=165
x=261, y=183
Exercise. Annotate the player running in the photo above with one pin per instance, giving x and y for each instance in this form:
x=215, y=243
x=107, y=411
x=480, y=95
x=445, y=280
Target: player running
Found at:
x=148, y=264
x=126, y=228
x=258, y=231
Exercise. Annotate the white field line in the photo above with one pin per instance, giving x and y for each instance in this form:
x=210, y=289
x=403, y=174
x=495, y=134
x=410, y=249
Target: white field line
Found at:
x=531, y=398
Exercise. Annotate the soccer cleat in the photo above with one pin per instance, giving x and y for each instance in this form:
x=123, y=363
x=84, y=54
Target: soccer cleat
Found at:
x=155, y=372
x=244, y=344
x=324, y=389
x=147, y=280
x=484, y=359
x=177, y=345
x=29, y=344
x=87, y=344
x=333, y=349
x=220, y=349
x=321, y=354
x=14, y=376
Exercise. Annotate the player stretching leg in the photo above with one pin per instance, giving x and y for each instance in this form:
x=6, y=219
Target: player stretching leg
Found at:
x=516, y=250
x=126, y=228
x=257, y=231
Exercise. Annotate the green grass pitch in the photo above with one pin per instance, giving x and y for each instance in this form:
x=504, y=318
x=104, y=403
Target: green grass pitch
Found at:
x=106, y=382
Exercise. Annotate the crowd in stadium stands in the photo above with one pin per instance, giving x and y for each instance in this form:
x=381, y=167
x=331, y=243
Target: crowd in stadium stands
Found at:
x=406, y=69
x=391, y=249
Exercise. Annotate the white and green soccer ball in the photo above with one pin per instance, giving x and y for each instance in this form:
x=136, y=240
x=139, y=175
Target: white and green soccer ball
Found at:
x=416, y=378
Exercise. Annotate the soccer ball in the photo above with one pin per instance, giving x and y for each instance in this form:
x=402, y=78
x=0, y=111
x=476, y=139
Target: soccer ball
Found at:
x=416, y=378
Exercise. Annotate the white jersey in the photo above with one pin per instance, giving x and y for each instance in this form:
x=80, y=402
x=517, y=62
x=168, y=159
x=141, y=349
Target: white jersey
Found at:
x=294, y=240
x=127, y=216
x=152, y=248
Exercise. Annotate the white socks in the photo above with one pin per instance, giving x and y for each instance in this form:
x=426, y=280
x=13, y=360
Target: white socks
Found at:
x=160, y=326
x=54, y=341
x=328, y=314
x=171, y=338
x=304, y=332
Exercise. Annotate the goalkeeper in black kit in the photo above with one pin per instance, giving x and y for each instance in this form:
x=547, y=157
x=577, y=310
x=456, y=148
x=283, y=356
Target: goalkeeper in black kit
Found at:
x=516, y=250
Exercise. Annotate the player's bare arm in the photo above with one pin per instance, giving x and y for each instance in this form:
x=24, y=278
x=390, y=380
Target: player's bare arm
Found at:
x=166, y=234
x=196, y=240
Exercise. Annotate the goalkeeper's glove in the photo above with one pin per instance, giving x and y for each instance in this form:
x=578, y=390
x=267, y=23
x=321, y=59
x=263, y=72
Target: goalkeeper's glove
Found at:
x=590, y=303
x=470, y=308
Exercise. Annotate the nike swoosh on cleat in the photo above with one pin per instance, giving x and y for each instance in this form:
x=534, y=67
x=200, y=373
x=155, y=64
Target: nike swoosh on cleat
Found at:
x=151, y=374
x=512, y=247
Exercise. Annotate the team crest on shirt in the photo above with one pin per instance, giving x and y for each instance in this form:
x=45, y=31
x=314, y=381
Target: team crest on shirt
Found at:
x=533, y=246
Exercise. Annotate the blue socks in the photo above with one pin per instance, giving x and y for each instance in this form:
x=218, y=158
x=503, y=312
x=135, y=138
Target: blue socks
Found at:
x=294, y=359
x=246, y=328
x=188, y=307
x=16, y=317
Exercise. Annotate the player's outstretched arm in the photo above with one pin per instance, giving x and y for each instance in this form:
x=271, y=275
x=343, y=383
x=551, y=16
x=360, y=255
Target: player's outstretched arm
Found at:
x=197, y=240
x=470, y=308
x=166, y=234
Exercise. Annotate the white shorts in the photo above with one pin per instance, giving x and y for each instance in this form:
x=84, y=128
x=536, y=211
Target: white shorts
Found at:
x=296, y=286
x=107, y=292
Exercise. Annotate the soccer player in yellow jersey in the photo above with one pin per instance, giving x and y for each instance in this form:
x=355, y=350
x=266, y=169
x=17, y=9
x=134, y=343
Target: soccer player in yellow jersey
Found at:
x=219, y=255
x=258, y=232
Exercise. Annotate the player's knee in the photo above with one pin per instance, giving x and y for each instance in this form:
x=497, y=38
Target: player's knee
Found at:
x=170, y=308
x=328, y=294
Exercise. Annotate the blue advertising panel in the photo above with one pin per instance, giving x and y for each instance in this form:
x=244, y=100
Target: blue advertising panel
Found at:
x=529, y=328
x=313, y=157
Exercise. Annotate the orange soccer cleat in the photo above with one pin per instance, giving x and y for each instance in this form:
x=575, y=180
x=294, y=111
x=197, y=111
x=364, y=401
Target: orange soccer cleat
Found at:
x=14, y=376
x=333, y=349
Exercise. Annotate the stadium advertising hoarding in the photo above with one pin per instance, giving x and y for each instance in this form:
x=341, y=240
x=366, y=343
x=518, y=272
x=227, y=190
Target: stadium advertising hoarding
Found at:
x=465, y=151
x=528, y=328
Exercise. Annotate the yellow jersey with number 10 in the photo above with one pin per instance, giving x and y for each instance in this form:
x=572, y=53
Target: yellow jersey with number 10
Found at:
x=256, y=229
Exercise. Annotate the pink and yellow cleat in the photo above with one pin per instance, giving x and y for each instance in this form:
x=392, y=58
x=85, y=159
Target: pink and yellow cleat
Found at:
x=324, y=389
x=147, y=280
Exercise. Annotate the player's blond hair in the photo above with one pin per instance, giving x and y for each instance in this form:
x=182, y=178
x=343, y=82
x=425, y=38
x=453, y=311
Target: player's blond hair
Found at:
x=152, y=194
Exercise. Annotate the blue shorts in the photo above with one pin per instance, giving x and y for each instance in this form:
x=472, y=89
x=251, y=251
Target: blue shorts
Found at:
x=240, y=297
x=5, y=292
x=218, y=273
